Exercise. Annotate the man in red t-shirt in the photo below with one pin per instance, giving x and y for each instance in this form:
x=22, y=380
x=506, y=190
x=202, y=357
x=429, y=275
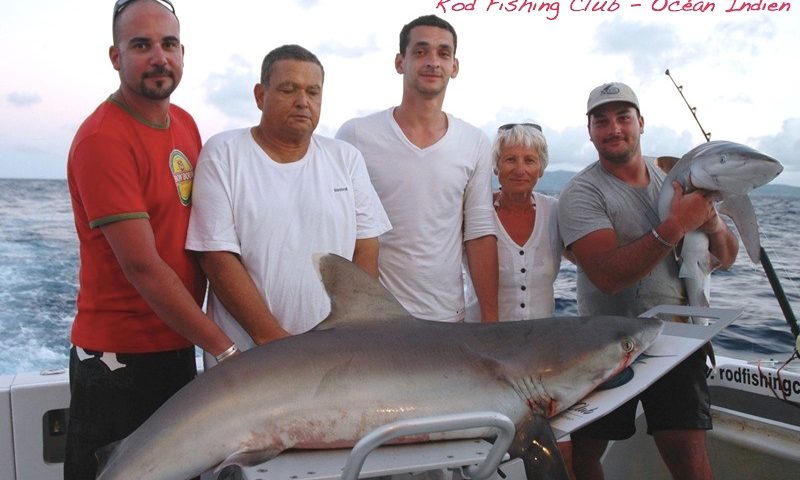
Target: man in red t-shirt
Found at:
x=130, y=171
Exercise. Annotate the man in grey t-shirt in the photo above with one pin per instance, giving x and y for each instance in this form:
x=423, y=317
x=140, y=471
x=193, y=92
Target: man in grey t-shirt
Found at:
x=608, y=219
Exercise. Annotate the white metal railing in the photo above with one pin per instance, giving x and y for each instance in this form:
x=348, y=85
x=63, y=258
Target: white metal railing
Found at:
x=445, y=423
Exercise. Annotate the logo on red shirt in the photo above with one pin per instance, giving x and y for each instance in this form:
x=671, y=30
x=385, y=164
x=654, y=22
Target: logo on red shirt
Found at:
x=183, y=173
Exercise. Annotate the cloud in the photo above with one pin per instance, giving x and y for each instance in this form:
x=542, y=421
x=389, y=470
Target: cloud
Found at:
x=23, y=99
x=749, y=36
x=659, y=140
x=570, y=148
x=784, y=145
x=345, y=51
x=24, y=160
x=510, y=115
x=231, y=91
x=660, y=46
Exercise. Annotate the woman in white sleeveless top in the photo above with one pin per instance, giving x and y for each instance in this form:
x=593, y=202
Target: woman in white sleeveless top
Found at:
x=529, y=247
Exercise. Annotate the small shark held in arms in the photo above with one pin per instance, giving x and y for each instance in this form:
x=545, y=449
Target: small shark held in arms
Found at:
x=368, y=364
x=731, y=171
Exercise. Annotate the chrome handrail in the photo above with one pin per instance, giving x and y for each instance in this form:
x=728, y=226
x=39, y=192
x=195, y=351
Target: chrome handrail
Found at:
x=444, y=423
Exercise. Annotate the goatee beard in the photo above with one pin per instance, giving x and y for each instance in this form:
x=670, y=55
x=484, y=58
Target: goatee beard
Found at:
x=162, y=91
x=158, y=93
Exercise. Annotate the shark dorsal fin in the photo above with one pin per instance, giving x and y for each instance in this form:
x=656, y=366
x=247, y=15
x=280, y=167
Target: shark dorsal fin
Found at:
x=356, y=298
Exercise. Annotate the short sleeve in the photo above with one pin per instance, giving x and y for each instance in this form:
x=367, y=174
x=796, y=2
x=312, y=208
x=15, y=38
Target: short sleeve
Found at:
x=211, y=224
x=581, y=211
x=106, y=176
x=478, y=210
x=371, y=218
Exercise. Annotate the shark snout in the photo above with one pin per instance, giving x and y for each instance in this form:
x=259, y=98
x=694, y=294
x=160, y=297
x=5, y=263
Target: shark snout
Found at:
x=737, y=170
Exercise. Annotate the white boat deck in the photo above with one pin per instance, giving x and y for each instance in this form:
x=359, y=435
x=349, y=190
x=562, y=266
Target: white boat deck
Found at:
x=756, y=434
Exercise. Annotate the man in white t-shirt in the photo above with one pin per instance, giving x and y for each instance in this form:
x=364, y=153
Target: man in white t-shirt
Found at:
x=432, y=172
x=267, y=198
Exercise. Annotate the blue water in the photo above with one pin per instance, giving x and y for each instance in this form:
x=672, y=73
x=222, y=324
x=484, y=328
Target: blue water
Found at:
x=39, y=263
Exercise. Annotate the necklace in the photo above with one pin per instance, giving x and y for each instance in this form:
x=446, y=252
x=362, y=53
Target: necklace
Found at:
x=498, y=206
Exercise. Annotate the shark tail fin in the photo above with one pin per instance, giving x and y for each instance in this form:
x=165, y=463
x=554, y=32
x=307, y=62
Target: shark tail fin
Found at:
x=356, y=297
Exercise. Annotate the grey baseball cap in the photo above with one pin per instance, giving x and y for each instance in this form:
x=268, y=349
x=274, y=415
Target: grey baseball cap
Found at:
x=611, y=92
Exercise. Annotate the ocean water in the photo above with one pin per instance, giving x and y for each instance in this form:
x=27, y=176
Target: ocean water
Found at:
x=39, y=263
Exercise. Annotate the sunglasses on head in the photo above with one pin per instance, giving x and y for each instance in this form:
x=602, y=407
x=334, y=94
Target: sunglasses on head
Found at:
x=509, y=126
x=121, y=4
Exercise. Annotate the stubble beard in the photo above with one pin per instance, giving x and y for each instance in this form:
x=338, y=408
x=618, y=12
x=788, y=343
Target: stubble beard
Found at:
x=617, y=157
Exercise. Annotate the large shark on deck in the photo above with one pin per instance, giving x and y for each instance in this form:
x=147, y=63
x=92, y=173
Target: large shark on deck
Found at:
x=368, y=364
x=730, y=170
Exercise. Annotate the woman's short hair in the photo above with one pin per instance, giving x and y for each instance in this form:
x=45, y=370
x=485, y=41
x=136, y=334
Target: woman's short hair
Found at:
x=528, y=135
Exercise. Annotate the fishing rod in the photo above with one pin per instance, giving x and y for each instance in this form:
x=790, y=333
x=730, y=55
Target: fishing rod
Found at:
x=766, y=264
x=692, y=109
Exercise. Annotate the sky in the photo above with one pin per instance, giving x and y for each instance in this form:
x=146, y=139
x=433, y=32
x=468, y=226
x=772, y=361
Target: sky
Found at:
x=739, y=69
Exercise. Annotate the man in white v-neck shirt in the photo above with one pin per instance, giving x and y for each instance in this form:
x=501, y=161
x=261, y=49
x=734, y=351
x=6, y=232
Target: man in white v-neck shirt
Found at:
x=432, y=172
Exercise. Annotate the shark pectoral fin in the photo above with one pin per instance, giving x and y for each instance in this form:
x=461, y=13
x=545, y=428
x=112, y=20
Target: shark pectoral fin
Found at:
x=741, y=211
x=247, y=459
x=536, y=445
x=356, y=297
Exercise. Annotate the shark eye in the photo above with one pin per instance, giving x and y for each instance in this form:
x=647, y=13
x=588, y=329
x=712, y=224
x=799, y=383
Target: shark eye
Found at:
x=723, y=159
x=627, y=345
